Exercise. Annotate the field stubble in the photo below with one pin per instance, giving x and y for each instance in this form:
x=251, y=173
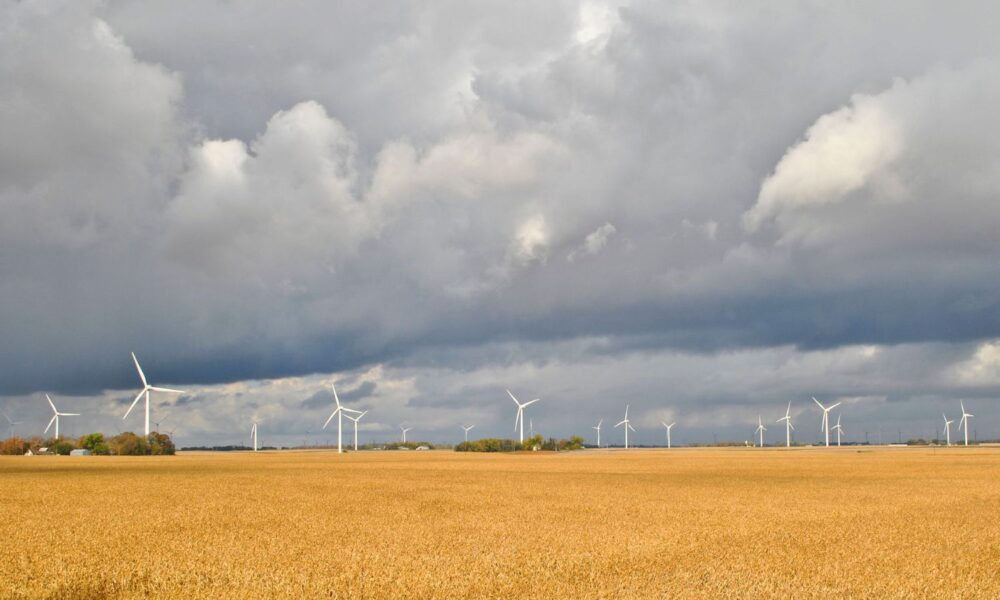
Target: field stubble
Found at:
x=595, y=524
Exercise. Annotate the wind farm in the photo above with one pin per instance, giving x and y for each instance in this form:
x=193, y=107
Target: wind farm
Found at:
x=416, y=220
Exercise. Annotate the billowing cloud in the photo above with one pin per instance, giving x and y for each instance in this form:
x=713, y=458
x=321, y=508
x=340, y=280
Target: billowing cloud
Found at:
x=595, y=241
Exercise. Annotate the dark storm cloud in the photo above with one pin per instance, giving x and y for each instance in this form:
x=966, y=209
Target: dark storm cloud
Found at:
x=472, y=187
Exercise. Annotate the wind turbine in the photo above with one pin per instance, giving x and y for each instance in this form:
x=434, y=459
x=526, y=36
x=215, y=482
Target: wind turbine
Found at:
x=467, y=428
x=788, y=425
x=839, y=430
x=760, y=429
x=825, y=425
x=157, y=423
x=531, y=428
x=253, y=433
x=598, y=428
x=627, y=425
x=404, y=430
x=965, y=422
x=669, y=427
x=146, y=388
x=10, y=423
x=56, y=415
x=520, y=413
x=947, y=429
x=356, y=419
x=339, y=413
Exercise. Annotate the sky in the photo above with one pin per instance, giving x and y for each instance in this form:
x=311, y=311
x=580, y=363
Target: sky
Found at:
x=703, y=210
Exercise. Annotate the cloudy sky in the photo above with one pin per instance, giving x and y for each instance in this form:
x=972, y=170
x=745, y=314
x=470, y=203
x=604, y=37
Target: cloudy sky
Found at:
x=704, y=210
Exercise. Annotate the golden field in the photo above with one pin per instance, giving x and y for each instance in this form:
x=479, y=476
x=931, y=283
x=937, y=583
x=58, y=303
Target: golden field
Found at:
x=804, y=523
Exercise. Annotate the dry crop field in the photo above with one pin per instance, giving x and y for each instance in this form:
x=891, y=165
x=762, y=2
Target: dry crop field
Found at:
x=806, y=523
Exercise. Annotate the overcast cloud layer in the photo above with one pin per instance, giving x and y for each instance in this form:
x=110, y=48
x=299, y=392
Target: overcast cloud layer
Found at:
x=705, y=210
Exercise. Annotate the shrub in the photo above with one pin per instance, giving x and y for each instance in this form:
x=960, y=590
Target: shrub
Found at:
x=14, y=445
x=62, y=447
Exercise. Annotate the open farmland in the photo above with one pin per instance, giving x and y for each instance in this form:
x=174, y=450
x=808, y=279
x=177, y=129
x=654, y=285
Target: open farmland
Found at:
x=686, y=523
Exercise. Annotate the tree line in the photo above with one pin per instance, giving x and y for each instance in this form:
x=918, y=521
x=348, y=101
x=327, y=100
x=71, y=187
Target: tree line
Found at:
x=532, y=443
x=123, y=444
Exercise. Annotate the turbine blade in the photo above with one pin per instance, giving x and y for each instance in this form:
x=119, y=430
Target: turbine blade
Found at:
x=142, y=375
x=168, y=390
x=630, y=427
x=134, y=402
x=513, y=398
x=818, y=404
x=530, y=403
x=335, y=396
x=54, y=409
x=834, y=406
x=332, y=415
x=68, y=414
x=620, y=423
x=54, y=417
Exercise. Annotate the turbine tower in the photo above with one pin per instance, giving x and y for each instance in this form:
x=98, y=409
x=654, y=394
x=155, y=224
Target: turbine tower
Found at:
x=788, y=425
x=467, y=428
x=146, y=388
x=947, y=429
x=825, y=425
x=669, y=427
x=839, y=430
x=356, y=419
x=56, y=415
x=10, y=424
x=627, y=425
x=519, y=419
x=253, y=434
x=598, y=428
x=965, y=422
x=404, y=430
x=760, y=429
x=339, y=413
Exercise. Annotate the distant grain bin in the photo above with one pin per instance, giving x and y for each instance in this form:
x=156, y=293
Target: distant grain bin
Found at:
x=80, y=452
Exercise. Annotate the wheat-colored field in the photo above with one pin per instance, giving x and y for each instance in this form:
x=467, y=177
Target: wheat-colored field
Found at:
x=596, y=524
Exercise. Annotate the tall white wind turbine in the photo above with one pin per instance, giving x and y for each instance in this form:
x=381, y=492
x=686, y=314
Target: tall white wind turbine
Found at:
x=760, y=429
x=964, y=423
x=519, y=419
x=839, y=430
x=947, y=429
x=253, y=434
x=598, y=428
x=56, y=415
x=10, y=424
x=467, y=428
x=339, y=413
x=825, y=425
x=627, y=425
x=404, y=430
x=356, y=419
x=788, y=425
x=146, y=388
x=669, y=427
